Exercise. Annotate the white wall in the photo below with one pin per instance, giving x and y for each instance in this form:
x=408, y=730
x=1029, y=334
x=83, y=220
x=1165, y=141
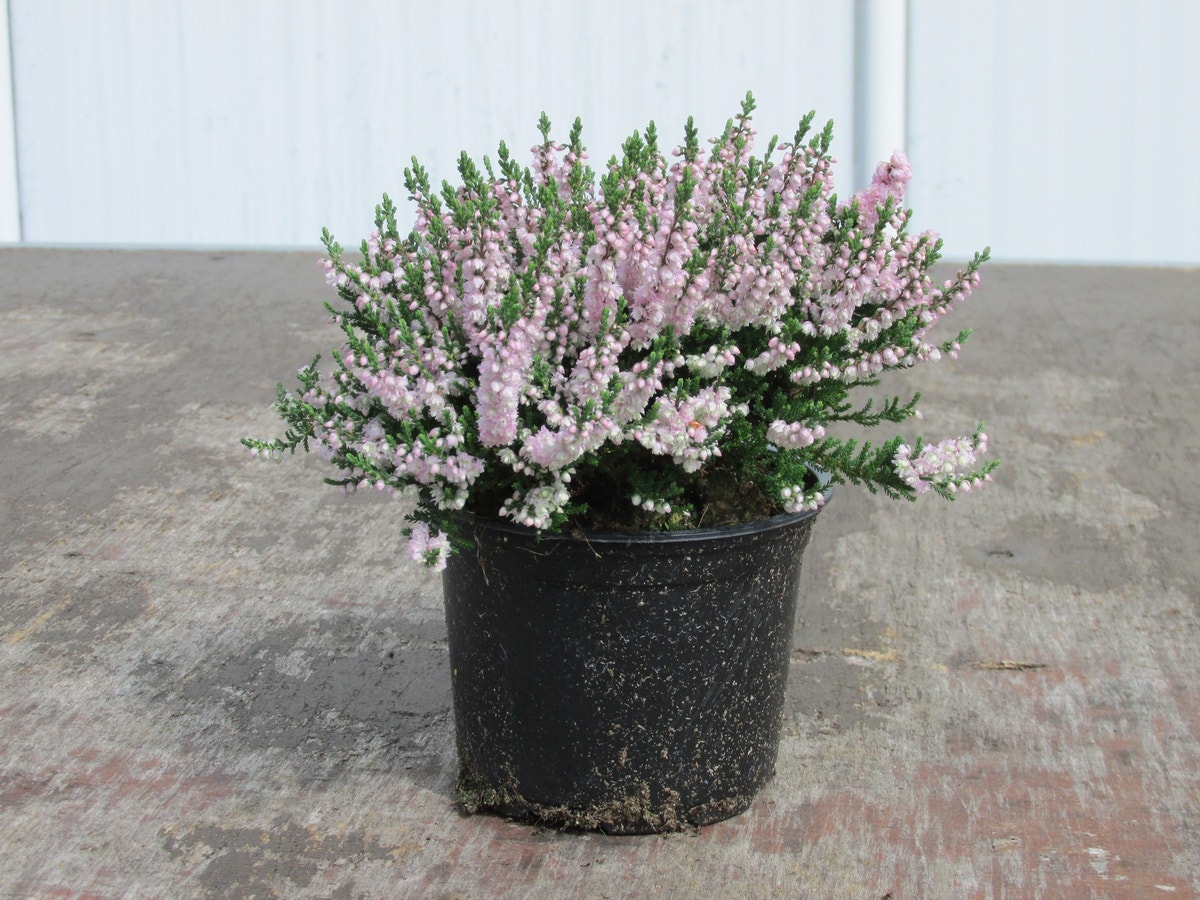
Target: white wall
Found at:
x=1052, y=130
x=1058, y=129
x=256, y=122
x=10, y=200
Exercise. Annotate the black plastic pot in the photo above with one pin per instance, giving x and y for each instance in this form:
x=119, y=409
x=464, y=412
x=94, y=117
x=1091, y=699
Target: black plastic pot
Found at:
x=624, y=683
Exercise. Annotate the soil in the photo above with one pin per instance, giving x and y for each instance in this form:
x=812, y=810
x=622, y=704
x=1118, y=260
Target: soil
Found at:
x=717, y=497
x=634, y=814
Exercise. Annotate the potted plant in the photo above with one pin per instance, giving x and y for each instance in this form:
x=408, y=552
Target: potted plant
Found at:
x=606, y=398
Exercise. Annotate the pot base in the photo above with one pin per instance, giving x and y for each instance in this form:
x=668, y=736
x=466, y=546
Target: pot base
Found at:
x=633, y=815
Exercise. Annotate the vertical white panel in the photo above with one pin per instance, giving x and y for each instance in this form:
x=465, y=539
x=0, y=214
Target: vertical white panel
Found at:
x=10, y=197
x=1060, y=130
x=253, y=122
x=881, y=79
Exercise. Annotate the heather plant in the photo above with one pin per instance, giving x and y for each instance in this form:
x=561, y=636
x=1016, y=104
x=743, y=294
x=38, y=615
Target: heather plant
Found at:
x=660, y=347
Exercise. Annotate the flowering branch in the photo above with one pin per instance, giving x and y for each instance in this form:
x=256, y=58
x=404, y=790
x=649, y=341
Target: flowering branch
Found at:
x=660, y=346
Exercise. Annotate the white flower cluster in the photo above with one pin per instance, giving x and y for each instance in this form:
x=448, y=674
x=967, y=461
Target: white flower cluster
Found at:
x=946, y=465
x=796, y=498
x=537, y=506
x=793, y=435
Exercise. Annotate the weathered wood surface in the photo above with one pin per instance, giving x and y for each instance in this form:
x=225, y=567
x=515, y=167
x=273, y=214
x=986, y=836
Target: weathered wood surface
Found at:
x=218, y=679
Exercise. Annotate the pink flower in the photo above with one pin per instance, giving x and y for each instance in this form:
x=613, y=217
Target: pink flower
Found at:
x=539, y=323
x=889, y=181
x=946, y=465
x=427, y=548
